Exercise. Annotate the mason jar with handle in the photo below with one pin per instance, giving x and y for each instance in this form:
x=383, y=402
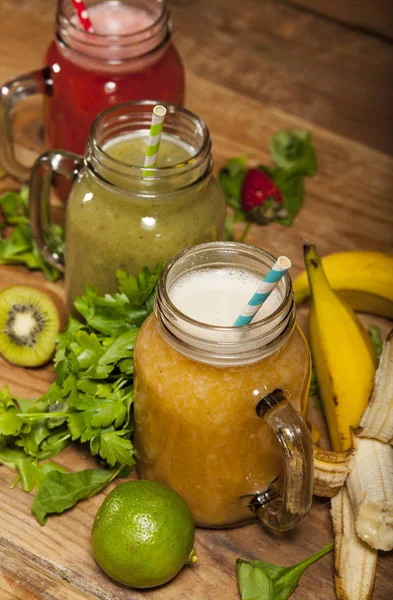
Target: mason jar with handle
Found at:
x=129, y=56
x=119, y=216
x=219, y=410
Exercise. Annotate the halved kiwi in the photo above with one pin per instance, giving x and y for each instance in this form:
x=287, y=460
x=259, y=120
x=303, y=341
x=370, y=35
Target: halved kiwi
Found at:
x=29, y=324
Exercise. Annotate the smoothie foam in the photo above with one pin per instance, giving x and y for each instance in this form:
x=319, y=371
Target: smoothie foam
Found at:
x=217, y=296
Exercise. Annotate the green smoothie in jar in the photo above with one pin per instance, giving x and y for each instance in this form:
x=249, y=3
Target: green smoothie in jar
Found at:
x=119, y=216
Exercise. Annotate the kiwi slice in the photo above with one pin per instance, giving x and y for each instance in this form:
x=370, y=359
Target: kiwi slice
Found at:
x=29, y=324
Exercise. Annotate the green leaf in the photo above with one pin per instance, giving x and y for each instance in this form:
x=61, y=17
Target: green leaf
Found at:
x=254, y=584
x=14, y=207
x=293, y=196
x=231, y=178
x=376, y=339
x=10, y=456
x=11, y=424
x=32, y=474
x=284, y=580
x=60, y=491
x=116, y=449
x=293, y=151
x=139, y=289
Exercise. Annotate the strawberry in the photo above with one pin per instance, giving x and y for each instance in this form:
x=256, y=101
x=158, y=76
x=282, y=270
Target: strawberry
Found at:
x=261, y=199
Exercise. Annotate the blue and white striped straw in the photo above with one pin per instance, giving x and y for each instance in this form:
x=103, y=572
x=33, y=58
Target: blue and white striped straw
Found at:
x=263, y=292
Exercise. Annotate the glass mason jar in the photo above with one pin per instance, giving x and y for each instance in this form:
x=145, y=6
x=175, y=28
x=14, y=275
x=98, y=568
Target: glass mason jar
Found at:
x=130, y=56
x=218, y=411
x=120, y=215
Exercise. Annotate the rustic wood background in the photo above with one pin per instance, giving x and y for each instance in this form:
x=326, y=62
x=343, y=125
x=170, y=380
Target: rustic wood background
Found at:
x=256, y=61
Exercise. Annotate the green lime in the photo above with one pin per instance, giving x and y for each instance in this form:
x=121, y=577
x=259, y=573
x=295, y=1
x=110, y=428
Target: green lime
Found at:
x=143, y=534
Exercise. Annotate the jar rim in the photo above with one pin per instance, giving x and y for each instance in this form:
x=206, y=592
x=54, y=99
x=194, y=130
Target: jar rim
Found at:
x=156, y=174
x=216, y=344
x=163, y=13
x=240, y=247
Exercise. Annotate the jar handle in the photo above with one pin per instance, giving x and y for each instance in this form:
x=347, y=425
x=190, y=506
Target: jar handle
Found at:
x=55, y=161
x=284, y=504
x=11, y=92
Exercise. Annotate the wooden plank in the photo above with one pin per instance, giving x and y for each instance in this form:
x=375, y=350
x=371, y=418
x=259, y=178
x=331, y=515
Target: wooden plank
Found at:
x=302, y=64
x=374, y=17
x=22, y=579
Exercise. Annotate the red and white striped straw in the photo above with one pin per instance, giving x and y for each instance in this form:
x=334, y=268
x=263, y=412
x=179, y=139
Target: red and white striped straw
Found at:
x=83, y=15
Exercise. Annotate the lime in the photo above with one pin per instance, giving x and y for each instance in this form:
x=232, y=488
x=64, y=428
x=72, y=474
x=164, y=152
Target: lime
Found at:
x=143, y=534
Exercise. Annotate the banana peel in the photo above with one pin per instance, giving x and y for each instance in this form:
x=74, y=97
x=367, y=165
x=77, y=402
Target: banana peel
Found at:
x=354, y=561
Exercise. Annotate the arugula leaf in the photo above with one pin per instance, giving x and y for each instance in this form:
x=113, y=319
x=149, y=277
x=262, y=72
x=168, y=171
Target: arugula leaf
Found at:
x=10, y=455
x=293, y=151
x=31, y=474
x=277, y=583
x=376, y=339
x=60, y=491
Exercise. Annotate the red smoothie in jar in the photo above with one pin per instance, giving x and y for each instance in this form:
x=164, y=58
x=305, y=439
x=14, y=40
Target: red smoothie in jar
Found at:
x=128, y=57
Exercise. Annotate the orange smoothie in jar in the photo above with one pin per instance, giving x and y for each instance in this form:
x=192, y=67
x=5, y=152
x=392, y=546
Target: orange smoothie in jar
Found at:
x=199, y=381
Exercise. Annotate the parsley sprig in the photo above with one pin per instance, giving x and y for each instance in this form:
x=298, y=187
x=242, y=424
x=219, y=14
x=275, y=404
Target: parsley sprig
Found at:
x=90, y=401
x=17, y=246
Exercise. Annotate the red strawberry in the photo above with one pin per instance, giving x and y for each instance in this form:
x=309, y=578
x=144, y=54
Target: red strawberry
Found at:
x=261, y=198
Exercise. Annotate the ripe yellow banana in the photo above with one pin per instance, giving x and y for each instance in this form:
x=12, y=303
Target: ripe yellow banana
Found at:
x=343, y=356
x=363, y=279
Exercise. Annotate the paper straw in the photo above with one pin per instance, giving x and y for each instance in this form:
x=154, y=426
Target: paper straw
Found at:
x=266, y=287
x=153, y=144
x=83, y=15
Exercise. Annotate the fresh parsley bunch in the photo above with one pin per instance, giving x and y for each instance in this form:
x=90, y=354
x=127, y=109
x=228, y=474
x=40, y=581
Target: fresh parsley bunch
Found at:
x=90, y=401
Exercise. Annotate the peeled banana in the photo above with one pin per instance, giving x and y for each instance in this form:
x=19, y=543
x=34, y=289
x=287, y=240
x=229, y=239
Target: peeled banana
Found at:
x=370, y=487
x=363, y=279
x=377, y=420
x=354, y=561
x=343, y=356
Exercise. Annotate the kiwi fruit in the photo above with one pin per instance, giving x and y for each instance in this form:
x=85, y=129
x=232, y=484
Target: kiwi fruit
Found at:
x=29, y=324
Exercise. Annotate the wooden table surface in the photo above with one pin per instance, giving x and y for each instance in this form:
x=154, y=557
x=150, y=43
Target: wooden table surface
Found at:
x=252, y=62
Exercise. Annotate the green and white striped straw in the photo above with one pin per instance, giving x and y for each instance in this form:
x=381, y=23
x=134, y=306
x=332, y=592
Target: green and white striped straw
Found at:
x=153, y=144
x=264, y=290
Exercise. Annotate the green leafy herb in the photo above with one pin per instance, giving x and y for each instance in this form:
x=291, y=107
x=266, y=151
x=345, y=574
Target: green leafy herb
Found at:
x=260, y=580
x=19, y=247
x=294, y=153
x=89, y=402
x=376, y=339
x=60, y=491
x=294, y=157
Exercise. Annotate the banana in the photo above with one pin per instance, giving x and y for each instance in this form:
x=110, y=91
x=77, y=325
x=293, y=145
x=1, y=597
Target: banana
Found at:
x=377, y=420
x=330, y=471
x=354, y=561
x=363, y=279
x=370, y=487
x=343, y=356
